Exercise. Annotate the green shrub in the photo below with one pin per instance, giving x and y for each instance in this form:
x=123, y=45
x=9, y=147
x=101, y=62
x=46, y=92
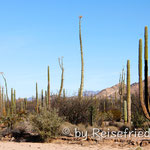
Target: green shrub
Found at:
x=138, y=120
x=46, y=124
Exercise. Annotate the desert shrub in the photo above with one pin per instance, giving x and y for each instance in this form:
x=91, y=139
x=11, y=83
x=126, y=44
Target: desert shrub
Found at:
x=115, y=114
x=138, y=120
x=46, y=124
x=10, y=120
x=78, y=111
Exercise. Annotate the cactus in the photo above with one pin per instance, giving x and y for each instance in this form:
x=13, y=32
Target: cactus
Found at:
x=25, y=104
x=146, y=69
x=0, y=101
x=62, y=76
x=115, y=97
x=143, y=103
x=42, y=99
x=4, y=104
x=82, y=62
x=46, y=100
x=12, y=102
x=49, y=98
x=37, y=100
x=22, y=108
x=64, y=94
x=128, y=92
x=121, y=90
x=125, y=111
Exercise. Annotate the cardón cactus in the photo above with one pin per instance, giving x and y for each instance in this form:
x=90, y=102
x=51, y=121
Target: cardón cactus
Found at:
x=82, y=62
x=144, y=103
x=62, y=75
x=49, y=97
x=128, y=92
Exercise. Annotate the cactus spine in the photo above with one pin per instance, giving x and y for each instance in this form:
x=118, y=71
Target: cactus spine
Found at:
x=62, y=75
x=128, y=92
x=37, y=100
x=125, y=111
x=82, y=62
x=49, y=98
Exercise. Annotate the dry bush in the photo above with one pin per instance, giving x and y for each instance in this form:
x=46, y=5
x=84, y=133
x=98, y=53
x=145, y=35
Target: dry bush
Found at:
x=47, y=123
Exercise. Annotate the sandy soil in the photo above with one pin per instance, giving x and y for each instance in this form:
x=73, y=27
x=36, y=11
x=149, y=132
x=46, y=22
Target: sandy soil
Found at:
x=52, y=146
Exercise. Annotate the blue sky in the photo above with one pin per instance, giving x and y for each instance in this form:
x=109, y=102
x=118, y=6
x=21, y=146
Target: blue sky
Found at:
x=34, y=33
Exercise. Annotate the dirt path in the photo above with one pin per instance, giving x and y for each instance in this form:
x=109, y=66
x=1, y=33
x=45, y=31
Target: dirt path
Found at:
x=52, y=146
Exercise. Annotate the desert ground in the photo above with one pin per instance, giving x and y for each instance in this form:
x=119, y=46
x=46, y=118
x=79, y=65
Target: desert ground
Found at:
x=53, y=146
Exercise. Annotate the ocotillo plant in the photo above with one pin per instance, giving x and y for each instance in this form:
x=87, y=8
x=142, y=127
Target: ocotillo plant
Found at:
x=143, y=103
x=146, y=69
x=125, y=111
x=128, y=92
x=82, y=62
x=49, y=98
x=37, y=100
x=62, y=75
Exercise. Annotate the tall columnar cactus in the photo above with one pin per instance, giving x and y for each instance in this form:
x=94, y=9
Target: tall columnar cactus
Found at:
x=64, y=94
x=121, y=90
x=146, y=69
x=21, y=107
x=49, y=97
x=46, y=100
x=62, y=75
x=82, y=62
x=0, y=101
x=3, y=103
x=143, y=103
x=125, y=111
x=42, y=99
x=12, y=102
x=128, y=92
x=15, y=101
x=25, y=104
x=37, y=100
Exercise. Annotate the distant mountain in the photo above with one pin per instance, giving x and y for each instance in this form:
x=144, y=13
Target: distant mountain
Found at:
x=110, y=92
x=90, y=93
